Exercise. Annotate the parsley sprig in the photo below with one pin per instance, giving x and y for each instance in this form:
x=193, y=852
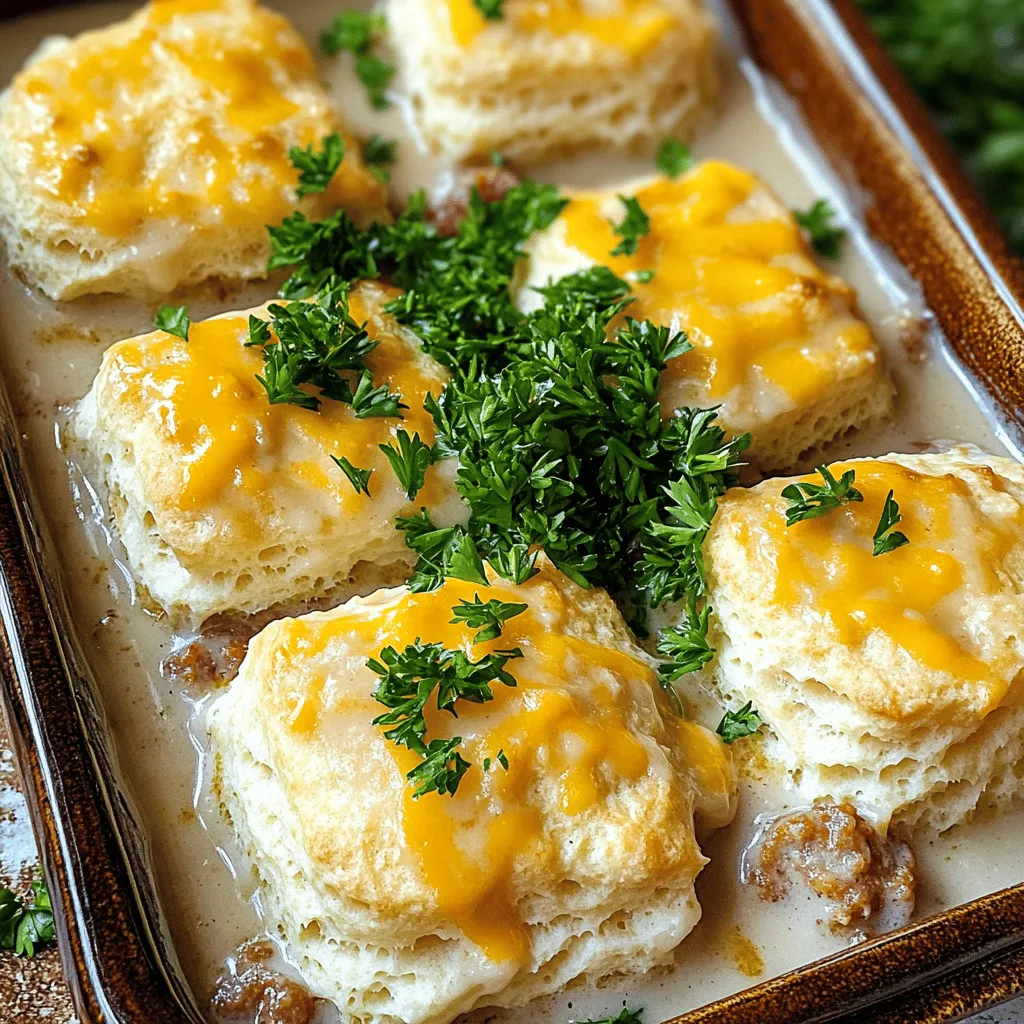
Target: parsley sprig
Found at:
x=625, y=1016
x=410, y=461
x=486, y=616
x=811, y=501
x=492, y=10
x=317, y=167
x=174, y=320
x=409, y=679
x=673, y=158
x=826, y=237
x=359, y=478
x=635, y=225
x=379, y=155
x=735, y=725
x=887, y=539
x=24, y=925
x=355, y=32
x=316, y=343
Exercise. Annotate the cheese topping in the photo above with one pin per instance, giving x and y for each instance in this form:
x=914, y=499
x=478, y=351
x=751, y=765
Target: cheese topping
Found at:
x=569, y=729
x=185, y=111
x=918, y=594
x=755, y=306
x=635, y=27
x=234, y=451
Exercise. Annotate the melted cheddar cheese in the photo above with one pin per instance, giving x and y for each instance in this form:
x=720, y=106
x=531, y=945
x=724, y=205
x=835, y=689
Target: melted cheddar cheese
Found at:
x=227, y=452
x=634, y=26
x=731, y=268
x=186, y=111
x=581, y=727
x=916, y=595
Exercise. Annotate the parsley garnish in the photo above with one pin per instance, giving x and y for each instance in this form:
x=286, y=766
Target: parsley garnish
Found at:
x=811, y=501
x=352, y=31
x=410, y=461
x=625, y=1017
x=642, y=276
x=355, y=32
x=409, y=679
x=737, y=724
x=490, y=9
x=488, y=617
x=686, y=646
x=500, y=757
x=359, y=478
x=826, y=237
x=316, y=169
x=635, y=225
x=25, y=925
x=379, y=155
x=884, y=541
x=316, y=343
x=673, y=157
x=174, y=320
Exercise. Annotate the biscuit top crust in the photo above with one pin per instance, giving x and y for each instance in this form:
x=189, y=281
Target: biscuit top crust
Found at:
x=186, y=110
x=943, y=612
x=214, y=450
x=601, y=785
x=635, y=26
x=732, y=268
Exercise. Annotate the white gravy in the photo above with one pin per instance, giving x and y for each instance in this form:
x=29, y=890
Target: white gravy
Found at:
x=49, y=356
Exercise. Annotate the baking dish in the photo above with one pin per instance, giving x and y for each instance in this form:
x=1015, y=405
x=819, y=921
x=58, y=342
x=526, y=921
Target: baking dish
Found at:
x=115, y=943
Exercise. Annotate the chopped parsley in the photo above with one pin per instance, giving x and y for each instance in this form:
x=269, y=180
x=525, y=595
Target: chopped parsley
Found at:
x=492, y=10
x=317, y=168
x=359, y=478
x=486, y=616
x=500, y=757
x=635, y=225
x=379, y=155
x=886, y=539
x=316, y=343
x=355, y=32
x=174, y=320
x=24, y=925
x=410, y=461
x=409, y=679
x=826, y=237
x=811, y=501
x=735, y=725
x=673, y=157
x=625, y=1017
x=642, y=276
x=685, y=647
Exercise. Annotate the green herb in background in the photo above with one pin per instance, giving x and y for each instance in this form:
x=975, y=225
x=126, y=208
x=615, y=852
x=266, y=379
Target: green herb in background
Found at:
x=355, y=32
x=966, y=59
x=317, y=167
x=826, y=237
x=490, y=9
x=635, y=225
x=379, y=155
x=25, y=925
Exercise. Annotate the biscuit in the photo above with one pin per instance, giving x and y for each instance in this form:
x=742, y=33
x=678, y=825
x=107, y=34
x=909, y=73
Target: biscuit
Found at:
x=777, y=342
x=894, y=681
x=151, y=155
x=554, y=77
x=225, y=502
x=575, y=861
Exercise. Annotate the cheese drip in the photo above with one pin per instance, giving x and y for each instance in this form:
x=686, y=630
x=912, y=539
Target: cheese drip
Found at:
x=635, y=27
x=739, y=282
x=182, y=112
x=567, y=729
x=234, y=452
x=915, y=595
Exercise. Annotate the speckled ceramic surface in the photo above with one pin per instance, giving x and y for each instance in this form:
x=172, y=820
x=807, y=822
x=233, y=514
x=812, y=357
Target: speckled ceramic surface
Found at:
x=111, y=939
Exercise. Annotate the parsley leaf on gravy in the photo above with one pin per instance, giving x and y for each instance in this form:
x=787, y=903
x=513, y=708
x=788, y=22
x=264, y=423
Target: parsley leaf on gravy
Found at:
x=317, y=167
x=826, y=237
x=379, y=155
x=486, y=616
x=359, y=478
x=625, y=1016
x=735, y=725
x=24, y=925
x=673, y=158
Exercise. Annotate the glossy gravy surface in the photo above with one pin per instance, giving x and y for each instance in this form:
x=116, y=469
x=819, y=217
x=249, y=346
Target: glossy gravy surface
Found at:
x=49, y=357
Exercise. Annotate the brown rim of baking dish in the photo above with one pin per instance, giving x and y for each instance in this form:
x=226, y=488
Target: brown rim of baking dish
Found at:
x=114, y=946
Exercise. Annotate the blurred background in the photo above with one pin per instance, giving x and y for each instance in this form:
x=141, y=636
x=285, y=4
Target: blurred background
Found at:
x=966, y=59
